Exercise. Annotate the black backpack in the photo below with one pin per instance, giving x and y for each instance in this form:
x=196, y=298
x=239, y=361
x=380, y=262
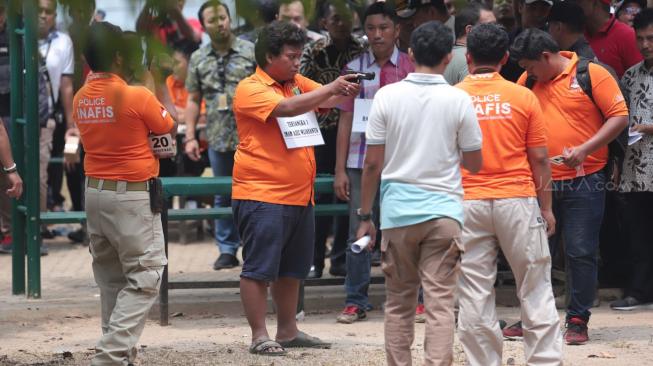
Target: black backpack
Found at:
x=617, y=147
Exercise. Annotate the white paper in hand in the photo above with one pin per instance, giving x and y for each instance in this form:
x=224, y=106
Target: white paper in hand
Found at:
x=163, y=146
x=633, y=137
x=360, y=244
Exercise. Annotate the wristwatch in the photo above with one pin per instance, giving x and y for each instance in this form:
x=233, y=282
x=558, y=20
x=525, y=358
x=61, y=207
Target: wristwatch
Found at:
x=9, y=170
x=363, y=217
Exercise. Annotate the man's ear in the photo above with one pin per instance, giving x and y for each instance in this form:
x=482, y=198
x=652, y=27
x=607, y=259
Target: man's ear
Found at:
x=447, y=58
x=411, y=55
x=468, y=28
x=505, y=58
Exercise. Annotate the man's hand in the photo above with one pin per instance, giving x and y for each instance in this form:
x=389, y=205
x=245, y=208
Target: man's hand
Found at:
x=574, y=156
x=367, y=228
x=192, y=149
x=15, y=185
x=642, y=128
x=341, y=186
x=343, y=86
x=550, y=221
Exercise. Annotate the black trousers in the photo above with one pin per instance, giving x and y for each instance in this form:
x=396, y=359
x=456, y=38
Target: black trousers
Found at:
x=325, y=159
x=639, y=221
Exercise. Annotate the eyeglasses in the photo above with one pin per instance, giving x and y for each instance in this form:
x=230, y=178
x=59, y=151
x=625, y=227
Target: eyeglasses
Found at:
x=632, y=10
x=47, y=11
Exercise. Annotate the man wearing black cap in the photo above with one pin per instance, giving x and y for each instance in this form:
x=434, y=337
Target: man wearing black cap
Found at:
x=532, y=14
x=566, y=25
x=413, y=13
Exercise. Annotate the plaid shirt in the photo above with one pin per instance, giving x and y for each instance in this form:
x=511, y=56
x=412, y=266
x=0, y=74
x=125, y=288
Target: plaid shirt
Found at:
x=396, y=69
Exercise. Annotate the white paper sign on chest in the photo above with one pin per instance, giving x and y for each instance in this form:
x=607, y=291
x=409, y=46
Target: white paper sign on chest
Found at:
x=300, y=131
x=362, y=109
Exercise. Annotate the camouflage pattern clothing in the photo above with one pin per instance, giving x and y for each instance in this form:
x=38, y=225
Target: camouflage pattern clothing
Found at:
x=213, y=75
x=323, y=62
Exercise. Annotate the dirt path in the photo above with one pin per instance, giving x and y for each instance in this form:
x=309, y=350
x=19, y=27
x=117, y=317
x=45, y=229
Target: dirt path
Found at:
x=214, y=339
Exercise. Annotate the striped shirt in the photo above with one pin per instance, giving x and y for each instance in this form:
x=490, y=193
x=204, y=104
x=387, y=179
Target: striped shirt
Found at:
x=396, y=69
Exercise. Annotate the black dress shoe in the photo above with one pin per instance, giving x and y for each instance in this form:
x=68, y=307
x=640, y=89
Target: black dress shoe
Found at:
x=338, y=270
x=225, y=260
x=315, y=273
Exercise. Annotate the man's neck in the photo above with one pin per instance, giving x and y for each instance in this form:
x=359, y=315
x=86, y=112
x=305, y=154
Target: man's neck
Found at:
x=595, y=23
x=648, y=64
x=435, y=70
x=568, y=40
x=381, y=59
x=341, y=44
x=462, y=41
x=484, y=69
x=222, y=47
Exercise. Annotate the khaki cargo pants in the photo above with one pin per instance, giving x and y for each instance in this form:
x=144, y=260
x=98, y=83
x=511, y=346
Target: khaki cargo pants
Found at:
x=426, y=253
x=515, y=226
x=126, y=242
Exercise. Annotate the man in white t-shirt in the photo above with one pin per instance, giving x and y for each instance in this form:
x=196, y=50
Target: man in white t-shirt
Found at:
x=56, y=49
x=416, y=132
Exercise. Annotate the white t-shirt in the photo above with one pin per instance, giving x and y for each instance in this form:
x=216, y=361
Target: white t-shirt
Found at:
x=424, y=124
x=57, y=49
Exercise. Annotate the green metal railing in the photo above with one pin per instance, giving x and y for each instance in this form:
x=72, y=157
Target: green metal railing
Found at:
x=23, y=53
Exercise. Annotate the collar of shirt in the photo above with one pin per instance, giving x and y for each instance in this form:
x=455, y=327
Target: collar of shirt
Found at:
x=573, y=60
x=93, y=76
x=50, y=37
x=643, y=69
x=605, y=28
x=394, y=58
x=236, y=46
x=420, y=78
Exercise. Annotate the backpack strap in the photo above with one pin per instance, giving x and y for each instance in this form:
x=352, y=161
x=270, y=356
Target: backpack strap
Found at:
x=583, y=77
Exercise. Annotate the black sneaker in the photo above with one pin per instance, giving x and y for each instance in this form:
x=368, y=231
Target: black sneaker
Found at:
x=338, y=270
x=224, y=261
x=47, y=234
x=626, y=304
x=77, y=236
x=315, y=272
x=375, y=260
x=44, y=250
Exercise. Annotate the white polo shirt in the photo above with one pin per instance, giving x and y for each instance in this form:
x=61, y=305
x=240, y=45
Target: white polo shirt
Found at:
x=424, y=124
x=57, y=49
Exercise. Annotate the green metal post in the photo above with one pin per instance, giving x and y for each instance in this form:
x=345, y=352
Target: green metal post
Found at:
x=32, y=147
x=17, y=139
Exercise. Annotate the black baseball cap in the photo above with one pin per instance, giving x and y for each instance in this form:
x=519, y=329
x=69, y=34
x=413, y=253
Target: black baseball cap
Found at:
x=567, y=12
x=407, y=8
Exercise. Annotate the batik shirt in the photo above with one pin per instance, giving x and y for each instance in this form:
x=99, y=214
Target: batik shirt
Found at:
x=637, y=173
x=213, y=75
x=323, y=62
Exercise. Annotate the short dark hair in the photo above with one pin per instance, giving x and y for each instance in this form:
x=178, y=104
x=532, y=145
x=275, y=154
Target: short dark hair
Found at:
x=211, y=4
x=383, y=8
x=568, y=13
x=531, y=43
x=104, y=42
x=431, y=42
x=487, y=44
x=469, y=15
x=272, y=38
x=324, y=9
x=643, y=19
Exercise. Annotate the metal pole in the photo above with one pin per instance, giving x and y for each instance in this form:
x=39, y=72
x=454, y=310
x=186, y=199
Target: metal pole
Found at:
x=163, y=293
x=18, y=147
x=32, y=147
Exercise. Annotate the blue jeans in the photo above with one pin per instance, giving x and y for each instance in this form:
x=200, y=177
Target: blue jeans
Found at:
x=226, y=235
x=578, y=207
x=357, y=280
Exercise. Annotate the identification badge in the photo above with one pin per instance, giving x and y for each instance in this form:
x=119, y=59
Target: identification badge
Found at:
x=300, y=131
x=222, y=102
x=163, y=146
x=362, y=109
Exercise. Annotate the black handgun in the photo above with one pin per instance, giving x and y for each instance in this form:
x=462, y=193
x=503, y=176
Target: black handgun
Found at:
x=361, y=75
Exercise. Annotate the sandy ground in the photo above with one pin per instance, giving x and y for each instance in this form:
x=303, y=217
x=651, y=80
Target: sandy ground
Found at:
x=214, y=339
x=209, y=328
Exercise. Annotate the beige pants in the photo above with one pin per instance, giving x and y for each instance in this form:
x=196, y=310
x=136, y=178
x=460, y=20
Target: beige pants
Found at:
x=515, y=226
x=45, y=152
x=126, y=242
x=429, y=253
